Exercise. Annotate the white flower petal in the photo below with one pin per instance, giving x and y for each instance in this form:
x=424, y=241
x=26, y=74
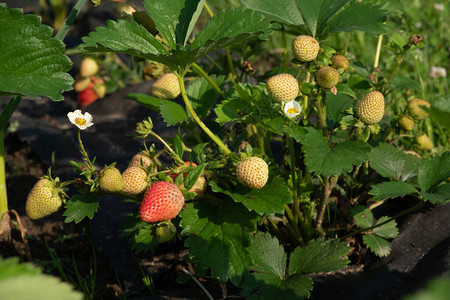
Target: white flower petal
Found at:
x=292, y=109
x=82, y=121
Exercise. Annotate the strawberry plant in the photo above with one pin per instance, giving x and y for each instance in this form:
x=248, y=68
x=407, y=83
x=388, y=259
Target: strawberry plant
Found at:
x=265, y=167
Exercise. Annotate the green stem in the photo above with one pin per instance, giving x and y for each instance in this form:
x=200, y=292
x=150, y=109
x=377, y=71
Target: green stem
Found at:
x=378, y=52
x=200, y=123
x=70, y=19
x=327, y=189
x=231, y=65
x=293, y=174
x=172, y=152
x=347, y=40
x=397, y=64
x=321, y=110
x=210, y=81
x=294, y=224
x=83, y=151
x=284, y=42
x=305, y=97
x=3, y=194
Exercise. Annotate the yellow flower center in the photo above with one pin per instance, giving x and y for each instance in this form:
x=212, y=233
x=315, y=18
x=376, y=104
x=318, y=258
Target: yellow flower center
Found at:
x=80, y=121
x=292, y=110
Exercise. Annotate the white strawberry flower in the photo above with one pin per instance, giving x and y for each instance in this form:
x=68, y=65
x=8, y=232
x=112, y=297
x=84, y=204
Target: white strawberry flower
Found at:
x=82, y=121
x=292, y=109
x=438, y=72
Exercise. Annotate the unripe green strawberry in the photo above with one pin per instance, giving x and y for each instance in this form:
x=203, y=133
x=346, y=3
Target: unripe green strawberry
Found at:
x=145, y=20
x=406, y=123
x=165, y=232
x=340, y=62
x=253, y=172
x=99, y=86
x=424, y=142
x=81, y=83
x=370, y=109
x=88, y=67
x=282, y=87
x=166, y=86
x=43, y=200
x=111, y=180
x=305, y=48
x=162, y=201
x=135, y=179
x=327, y=77
x=415, y=110
x=140, y=159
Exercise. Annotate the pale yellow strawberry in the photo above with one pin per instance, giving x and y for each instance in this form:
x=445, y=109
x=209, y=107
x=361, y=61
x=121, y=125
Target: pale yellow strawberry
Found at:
x=370, y=109
x=424, y=142
x=305, y=48
x=135, y=179
x=282, y=87
x=406, y=123
x=88, y=67
x=111, y=180
x=166, y=86
x=140, y=159
x=415, y=110
x=253, y=172
x=340, y=62
x=327, y=77
x=43, y=200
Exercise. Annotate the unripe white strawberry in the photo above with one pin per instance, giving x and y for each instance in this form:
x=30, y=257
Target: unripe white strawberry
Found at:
x=282, y=87
x=140, y=159
x=111, y=180
x=370, y=109
x=406, y=123
x=305, y=48
x=415, y=110
x=43, y=200
x=253, y=172
x=424, y=142
x=166, y=86
x=340, y=62
x=327, y=77
x=88, y=67
x=165, y=232
x=135, y=179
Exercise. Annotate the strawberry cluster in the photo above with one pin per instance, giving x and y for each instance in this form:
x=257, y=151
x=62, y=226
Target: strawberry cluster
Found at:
x=89, y=86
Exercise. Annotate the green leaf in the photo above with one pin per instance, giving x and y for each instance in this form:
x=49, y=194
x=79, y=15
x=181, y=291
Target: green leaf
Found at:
x=282, y=11
x=363, y=216
x=317, y=13
x=139, y=234
x=377, y=245
x=79, y=207
x=165, y=14
x=188, y=19
x=266, y=201
x=178, y=145
x=173, y=113
x=434, y=171
x=24, y=281
x=128, y=37
x=198, y=154
x=399, y=82
x=336, y=106
x=219, y=234
x=392, y=162
x=269, y=272
x=202, y=96
x=392, y=189
x=146, y=100
x=388, y=230
x=358, y=16
x=229, y=110
x=319, y=256
x=440, y=111
x=32, y=63
x=326, y=161
x=193, y=175
x=439, y=195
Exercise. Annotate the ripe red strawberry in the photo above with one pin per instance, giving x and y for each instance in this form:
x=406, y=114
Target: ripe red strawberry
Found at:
x=340, y=62
x=165, y=232
x=282, y=87
x=135, y=179
x=162, y=201
x=43, y=200
x=424, y=142
x=305, y=48
x=370, y=109
x=327, y=77
x=415, y=110
x=252, y=172
x=88, y=67
x=166, y=86
x=111, y=180
x=87, y=96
